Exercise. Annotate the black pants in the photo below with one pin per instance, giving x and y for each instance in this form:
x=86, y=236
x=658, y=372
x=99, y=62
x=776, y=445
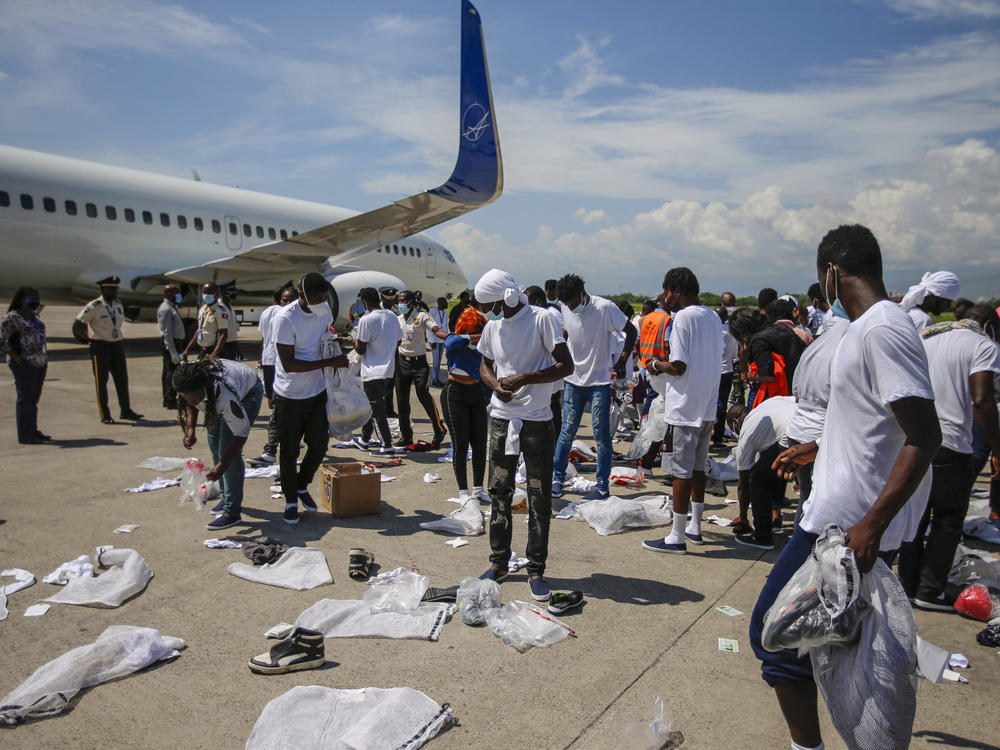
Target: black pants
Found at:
x=376, y=390
x=538, y=447
x=925, y=562
x=556, y=404
x=766, y=491
x=300, y=419
x=271, y=446
x=166, y=378
x=414, y=371
x=28, y=380
x=464, y=408
x=725, y=386
x=108, y=357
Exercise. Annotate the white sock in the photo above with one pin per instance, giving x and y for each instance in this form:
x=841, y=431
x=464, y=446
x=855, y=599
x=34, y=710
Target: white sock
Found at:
x=797, y=746
x=478, y=490
x=676, y=535
x=462, y=494
x=694, y=517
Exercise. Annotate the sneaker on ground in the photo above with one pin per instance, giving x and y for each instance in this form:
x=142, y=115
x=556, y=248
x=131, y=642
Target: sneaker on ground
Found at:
x=130, y=415
x=307, y=501
x=540, y=590
x=223, y=522
x=303, y=649
x=219, y=507
x=595, y=494
x=694, y=538
x=493, y=575
x=934, y=604
x=660, y=545
x=360, y=443
x=749, y=540
x=266, y=458
x=482, y=496
x=557, y=489
x=291, y=514
x=107, y=420
x=561, y=602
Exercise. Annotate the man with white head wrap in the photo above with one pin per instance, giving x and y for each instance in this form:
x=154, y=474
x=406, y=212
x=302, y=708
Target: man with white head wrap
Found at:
x=932, y=296
x=523, y=353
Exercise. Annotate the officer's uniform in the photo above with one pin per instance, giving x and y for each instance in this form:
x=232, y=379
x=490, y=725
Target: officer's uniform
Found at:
x=172, y=343
x=412, y=369
x=212, y=319
x=107, y=354
x=230, y=350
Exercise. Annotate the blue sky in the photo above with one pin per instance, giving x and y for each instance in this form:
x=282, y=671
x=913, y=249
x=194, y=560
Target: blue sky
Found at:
x=726, y=136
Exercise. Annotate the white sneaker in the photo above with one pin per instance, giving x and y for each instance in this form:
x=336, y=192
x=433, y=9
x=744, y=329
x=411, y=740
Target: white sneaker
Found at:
x=482, y=496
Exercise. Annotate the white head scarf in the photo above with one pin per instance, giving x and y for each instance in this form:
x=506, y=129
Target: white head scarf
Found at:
x=498, y=285
x=943, y=284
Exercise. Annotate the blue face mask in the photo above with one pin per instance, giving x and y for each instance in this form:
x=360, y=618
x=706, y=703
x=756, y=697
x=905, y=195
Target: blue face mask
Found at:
x=494, y=315
x=837, y=307
x=578, y=310
x=208, y=299
x=178, y=298
x=403, y=309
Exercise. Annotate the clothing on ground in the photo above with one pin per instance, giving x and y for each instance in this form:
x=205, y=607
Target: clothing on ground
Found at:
x=127, y=574
x=353, y=618
x=298, y=568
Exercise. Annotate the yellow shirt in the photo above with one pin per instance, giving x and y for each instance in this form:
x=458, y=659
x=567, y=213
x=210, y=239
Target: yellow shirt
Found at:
x=105, y=320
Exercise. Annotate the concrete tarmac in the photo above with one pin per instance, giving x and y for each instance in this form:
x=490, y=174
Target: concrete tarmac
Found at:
x=649, y=626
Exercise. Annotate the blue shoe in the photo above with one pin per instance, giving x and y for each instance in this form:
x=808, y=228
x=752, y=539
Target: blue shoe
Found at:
x=556, y=489
x=223, y=522
x=219, y=507
x=493, y=575
x=307, y=502
x=540, y=590
x=658, y=545
x=694, y=538
x=596, y=494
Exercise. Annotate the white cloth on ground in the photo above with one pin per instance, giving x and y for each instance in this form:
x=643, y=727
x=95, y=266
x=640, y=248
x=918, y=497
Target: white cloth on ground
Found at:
x=943, y=284
x=259, y=472
x=163, y=463
x=618, y=513
x=22, y=579
x=81, y=566
x=579, y=485
x=222, y=544
x=128, y=574
x=320, y=718
x=430, y=478
x=157, y=484
x=467, y=520
x=118, y=651
x=298, y=568
x=353, y=618
x=37, y=610
x=980, y=528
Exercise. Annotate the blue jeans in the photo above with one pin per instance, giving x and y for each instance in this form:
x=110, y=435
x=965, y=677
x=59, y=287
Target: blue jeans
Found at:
x=436, y=351
x=218, y=440
x=575, y=400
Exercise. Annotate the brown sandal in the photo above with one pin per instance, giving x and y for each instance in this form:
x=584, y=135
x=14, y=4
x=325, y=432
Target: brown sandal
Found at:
x=360, y=564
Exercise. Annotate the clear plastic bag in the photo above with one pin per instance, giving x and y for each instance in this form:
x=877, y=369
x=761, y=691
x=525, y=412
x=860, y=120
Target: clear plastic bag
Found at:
x=653, y=429
x=163, y=463
x=399, y=590
x=475, y=597
x=821, y=603
x=466, y=521
x=645, y=735
x=347, y=407
x=195, y=486
x=615, y=514
x=524, y=625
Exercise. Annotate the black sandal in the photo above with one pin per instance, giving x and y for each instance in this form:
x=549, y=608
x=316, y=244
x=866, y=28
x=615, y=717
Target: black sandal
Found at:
x=360, y=564
x=741, y=527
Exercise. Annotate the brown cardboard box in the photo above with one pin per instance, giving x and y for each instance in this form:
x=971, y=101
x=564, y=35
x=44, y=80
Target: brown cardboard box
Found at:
x=348, y=493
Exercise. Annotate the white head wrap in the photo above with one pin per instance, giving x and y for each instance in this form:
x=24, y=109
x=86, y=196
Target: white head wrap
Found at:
x=498, y=285
x=790, y=298
x=943, y=284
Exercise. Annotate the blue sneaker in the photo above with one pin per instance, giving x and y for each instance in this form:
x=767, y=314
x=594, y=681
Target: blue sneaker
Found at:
x=307, y=501
x=659, y=545
x=223, y=522
x=556, y=489
x=219, y=507
x=694, y=538
x=493, y=575
x=540, y=590
x=596, y=494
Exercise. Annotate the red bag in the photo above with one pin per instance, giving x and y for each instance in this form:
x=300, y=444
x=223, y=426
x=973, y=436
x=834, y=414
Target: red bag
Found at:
x=975, y=601
x=767, y=390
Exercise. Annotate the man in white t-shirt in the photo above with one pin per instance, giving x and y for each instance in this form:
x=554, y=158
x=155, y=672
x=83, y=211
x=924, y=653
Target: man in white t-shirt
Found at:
x=378, y=334
x=762, y=435
x=591, y=324
x=440, y=316
x=300, y=390
x=523, y=354
x=963, y=362
x=880, y=434
x=418, y=328
x=268, y=357
x=932, y=296
x=690, y=395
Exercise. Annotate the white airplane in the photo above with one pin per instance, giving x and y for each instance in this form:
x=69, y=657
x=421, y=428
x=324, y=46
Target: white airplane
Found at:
x=66, y=223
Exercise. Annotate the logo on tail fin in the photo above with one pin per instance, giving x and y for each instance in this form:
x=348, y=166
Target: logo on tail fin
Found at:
x=475, y=122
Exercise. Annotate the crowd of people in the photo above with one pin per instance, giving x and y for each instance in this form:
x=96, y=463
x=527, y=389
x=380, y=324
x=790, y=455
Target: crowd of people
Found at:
x=882, y=417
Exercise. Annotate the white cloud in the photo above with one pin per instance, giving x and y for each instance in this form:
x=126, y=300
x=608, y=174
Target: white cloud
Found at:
x=591, y=217
x=586, y=69
x=928, y=9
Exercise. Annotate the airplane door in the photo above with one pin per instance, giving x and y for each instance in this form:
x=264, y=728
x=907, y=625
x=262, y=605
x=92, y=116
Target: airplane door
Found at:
x=234, y=241
x=431, y=264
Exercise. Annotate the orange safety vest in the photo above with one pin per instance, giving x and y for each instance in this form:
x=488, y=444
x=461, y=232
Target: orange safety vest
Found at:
x=652, y=344
x=768, y=390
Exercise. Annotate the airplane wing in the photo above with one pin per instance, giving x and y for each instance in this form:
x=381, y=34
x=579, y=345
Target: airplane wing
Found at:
x=476, y=181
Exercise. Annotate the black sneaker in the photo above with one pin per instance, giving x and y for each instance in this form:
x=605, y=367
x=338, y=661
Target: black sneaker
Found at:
x=291, y=514
x=934, y=604
x=223, y=522
x=107, y=420
x=307, y=502
x=448, y=594
x=303, y=649
x=130, y=415
x=561, y=602
x=749, y=540
x=776, y=524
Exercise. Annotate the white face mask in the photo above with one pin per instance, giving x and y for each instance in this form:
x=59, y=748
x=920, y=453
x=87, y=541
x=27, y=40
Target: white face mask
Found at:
x=322, y=309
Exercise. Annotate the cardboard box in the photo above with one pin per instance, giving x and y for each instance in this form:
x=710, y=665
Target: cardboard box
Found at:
x=348, y=493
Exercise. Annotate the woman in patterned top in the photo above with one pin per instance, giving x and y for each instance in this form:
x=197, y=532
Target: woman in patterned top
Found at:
x=22, y=340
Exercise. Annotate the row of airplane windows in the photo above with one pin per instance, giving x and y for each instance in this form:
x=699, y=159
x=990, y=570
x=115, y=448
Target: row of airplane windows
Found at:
x=111, y=213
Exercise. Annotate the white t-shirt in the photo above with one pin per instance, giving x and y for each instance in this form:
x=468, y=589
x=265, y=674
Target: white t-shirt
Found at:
x=237, y=382
x=689, y=400
x=556, y=313
x=517, y=345
x=379, y=329
x=764, y=426
x=811, y=384
x=294, y=326
x=590, y=337
x=920, y=319
x=268, y=352
x=952, y=357
x=879, y=361
x=729, y=349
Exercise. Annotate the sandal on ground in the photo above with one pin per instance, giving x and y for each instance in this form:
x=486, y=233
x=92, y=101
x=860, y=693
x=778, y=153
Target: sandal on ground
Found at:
x=360, y=564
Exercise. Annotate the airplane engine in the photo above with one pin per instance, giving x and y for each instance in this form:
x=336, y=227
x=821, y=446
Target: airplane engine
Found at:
x=348, y=285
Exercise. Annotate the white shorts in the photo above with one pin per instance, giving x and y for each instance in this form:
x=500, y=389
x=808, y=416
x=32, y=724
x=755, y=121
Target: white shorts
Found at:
x=685, y=448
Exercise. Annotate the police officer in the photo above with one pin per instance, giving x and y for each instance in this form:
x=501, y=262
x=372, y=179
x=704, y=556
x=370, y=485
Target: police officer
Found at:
x=231, y=349
x=105, y=316
x=171, y=340
x=213, y=325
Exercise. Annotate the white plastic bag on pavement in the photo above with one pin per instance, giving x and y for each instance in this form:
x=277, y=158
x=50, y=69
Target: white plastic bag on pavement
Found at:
x=163, y=463
x=127, y=574
x=298, y=568
x=475, y=597
x=724, y=470
x=625, y=476
x=118, y=651
x=22, y=579
x=77, y=568
x=524, y=625
x=347, y=407
x=578, y=485
x=195, y=486
x=353, y=618
x=466, y=521
x=320, y=718
x=583, y=451
x=399, y=590
x=645, y=735
x=653, y=429
x=617, y=513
